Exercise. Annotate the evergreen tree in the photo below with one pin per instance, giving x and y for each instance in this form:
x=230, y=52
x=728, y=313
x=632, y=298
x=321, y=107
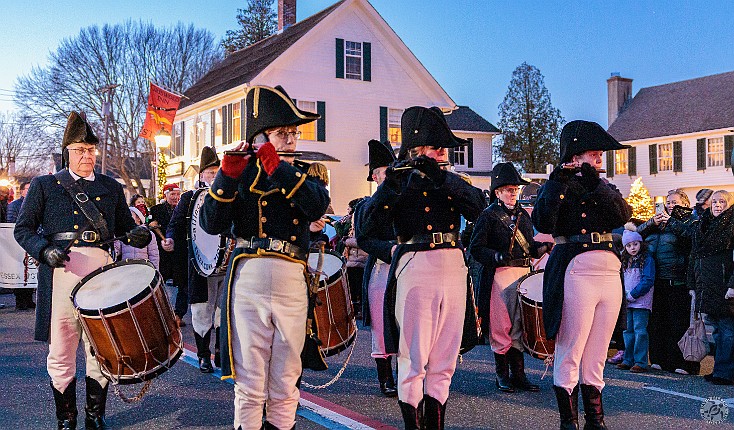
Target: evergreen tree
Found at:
x=643, y=208
x=257, y=22
x=530, y=124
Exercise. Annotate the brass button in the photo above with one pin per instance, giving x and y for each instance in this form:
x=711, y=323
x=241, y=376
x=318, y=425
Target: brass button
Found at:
x=452, y=209
x=610, y=245
x=263, y=235
x=264, y=202
x=583, y=203
x=76, y=213
x=427, y=209
x=220, y=192
x=583, y=215
x=586, y=245
x=295, y=221
x=432, y=245
x=282, y=190
x=76, y=241
x=263, y=219
x=449, y=197
x=98, y=199
x=76, y=227
x=451, y=227
x=453, y=243
x=293, y=238
x=293, y=205
x=298, y=174
x=561, y=197
x=58, y=182
x=429, y=227
x=386, y=207
x=583, y=231
x=425, y=193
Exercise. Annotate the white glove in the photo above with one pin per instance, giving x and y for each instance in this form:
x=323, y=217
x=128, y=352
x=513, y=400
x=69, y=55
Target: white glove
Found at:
x=167, y=244
x=630, y=298
x=729, y=293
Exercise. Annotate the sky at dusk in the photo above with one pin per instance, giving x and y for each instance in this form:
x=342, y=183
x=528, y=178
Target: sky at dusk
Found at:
x=470, y=47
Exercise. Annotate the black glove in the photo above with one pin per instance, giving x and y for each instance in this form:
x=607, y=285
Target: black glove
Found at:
x=501, y=258
x=589, y=177
x=54, y=256
x=561, y=174
x=430, y=168
x=139, y=237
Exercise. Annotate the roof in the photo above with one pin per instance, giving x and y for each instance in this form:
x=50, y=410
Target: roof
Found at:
x=465, y=119
x=690, y=106
x=242, y=66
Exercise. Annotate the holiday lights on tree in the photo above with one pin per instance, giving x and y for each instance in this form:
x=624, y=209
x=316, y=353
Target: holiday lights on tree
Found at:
x=643, y=208
x=162, y=163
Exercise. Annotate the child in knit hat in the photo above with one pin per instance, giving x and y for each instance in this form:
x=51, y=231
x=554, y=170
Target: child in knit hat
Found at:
x=638, y=269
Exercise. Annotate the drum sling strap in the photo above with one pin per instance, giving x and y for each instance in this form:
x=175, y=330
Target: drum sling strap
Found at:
x=82, y=200
x=517, y=235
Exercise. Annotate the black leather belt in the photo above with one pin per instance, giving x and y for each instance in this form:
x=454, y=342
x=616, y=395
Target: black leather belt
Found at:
x=273, y=245
x=435, y=238
x=87, y=236
x=593, y=237
x=519, y=262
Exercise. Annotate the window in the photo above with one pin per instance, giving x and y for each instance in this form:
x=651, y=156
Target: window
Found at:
x=393, y=125
x=218, y=127
x=460, y=156
x=235, y=122
x=665, y=157
x=620, y=162
x=308, y=131
x=715, y=152
x=353, y=60
x=201, y=133
x=177, y=141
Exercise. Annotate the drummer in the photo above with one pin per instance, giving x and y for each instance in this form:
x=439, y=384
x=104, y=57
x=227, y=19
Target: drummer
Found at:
x=425, y=307
x=71, y=246
x=203, y=292
x=378, y=247
x=503, y=243
x=268, y=203
x=582, y=288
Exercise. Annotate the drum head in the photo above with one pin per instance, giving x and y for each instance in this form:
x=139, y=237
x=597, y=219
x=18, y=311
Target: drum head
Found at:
x=332, y=263
x=206, y=249
x=532, y=286
x=113, y=284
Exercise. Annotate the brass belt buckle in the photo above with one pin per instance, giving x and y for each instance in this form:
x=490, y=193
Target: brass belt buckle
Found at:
x=89, y=236
x=437, y=238
x=276, y=245
x=595, y=237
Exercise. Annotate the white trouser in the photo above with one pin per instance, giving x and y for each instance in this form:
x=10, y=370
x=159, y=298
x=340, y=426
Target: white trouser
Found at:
x=592, y=296
x=430, y=305
x=505, y=322
x=376, y=292
x=65, y=328
x=206, y=315
x=268, y=326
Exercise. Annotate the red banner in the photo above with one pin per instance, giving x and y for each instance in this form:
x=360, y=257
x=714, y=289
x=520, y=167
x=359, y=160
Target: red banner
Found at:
x=162, y=106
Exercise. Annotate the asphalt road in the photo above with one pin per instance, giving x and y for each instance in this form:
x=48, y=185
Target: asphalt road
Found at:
x=184, y=398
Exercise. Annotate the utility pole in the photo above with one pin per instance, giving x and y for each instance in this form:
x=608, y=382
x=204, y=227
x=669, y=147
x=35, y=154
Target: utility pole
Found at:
x=109, y=90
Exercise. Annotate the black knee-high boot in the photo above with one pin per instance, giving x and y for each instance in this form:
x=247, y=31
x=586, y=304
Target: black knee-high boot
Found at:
x=502, y=369
x=568, y=407
x=385, y=376
x=593, y=410
x=96, y=403
x=203, y=351
x=413, y=417
x=435, y=413
x=517, y=370
x=217, y=352
x=66, y=406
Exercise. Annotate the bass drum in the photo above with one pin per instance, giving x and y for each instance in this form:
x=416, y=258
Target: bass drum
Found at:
x=210, y=254
x=530, y=295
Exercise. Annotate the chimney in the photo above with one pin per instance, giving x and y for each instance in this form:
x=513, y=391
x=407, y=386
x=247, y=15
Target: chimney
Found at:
x=619, y=91
x=286, y=14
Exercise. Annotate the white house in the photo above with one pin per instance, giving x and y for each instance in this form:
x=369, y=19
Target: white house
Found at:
x=345, y=63
x=681, y=134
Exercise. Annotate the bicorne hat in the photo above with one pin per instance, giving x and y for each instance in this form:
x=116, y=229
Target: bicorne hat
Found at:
x=208, y=158
x=421, y=126
x=580, y=136
x=78, y=130
x=504, y=174
x=381, y=155
x=267, y=107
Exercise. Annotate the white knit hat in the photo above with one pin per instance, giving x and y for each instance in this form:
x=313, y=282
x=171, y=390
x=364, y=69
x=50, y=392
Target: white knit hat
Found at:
x=137, y=212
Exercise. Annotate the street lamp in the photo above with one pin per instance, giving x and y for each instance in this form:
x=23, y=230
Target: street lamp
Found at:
x=163, y=139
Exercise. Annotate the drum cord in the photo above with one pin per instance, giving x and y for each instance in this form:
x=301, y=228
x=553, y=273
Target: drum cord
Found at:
x=339, y=374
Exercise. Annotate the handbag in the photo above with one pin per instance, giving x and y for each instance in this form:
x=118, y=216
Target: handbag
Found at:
x=694, y=343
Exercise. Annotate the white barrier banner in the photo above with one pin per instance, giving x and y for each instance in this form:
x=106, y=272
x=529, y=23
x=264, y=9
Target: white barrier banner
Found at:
x=17, y=268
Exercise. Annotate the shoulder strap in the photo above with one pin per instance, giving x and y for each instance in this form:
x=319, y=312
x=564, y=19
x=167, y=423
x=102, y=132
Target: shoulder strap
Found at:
x=516, y=233
x=84, y=202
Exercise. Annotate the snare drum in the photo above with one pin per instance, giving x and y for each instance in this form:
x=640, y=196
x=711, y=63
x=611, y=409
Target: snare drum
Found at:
x=209, y=253
x=334, y=313
x=530, y=294
x=129, y=321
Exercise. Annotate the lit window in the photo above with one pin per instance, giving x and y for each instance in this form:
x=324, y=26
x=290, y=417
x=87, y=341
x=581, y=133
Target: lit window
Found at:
x=177, y=144
x=218, y=127
x=201, y=133
x=715, y=152
x=236, y=122
x=460, y=156
x=665, y=157
x=620, y=162
x=353, y=60
x=308, y=131
x=393, y=125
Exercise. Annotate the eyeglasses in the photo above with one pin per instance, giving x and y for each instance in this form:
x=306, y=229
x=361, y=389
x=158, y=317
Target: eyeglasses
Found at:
x=81, y=151
x=286, y=134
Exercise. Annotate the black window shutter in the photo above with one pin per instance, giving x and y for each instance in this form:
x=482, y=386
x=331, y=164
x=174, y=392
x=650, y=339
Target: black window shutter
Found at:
x=383, y=123
x=610, y=164
x=181, y=147
x=677, y=156
x=321, y=122
x=470, y=153
x=224, y=125
x=632, y=161
x=213, y=126
x=229, y=123
x=701, y=154
x=653, y=159
x=452, y=156
x=728, y=146
x=242, y=119
x=366, y=61
x=340, y=58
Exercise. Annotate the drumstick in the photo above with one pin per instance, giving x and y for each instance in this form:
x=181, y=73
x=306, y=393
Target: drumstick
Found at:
x=157, y=231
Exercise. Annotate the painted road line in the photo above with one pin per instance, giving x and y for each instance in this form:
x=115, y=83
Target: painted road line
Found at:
x=729, y=402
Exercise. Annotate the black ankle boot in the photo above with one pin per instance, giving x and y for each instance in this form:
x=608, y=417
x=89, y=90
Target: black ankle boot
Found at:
x=217, y=352
x=384, y=375
x=502, y=369
x=203, y=351
x=568, y=407
x=413, y=417
x=435, y=413
x=517, y=370
x=593, y=410
x=268, y=426
x=66, y=406
x=96, y=402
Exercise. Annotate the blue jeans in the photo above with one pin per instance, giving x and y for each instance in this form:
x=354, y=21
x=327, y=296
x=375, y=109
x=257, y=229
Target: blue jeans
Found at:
x=724, y=339
x=636, y=340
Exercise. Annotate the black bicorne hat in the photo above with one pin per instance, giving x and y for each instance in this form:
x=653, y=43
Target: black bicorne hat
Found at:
x=381, y=155
x=208, y=158
x=78, y=130
x=580, y=136
x=504, y=174
x=421, y=126
x=267, y=107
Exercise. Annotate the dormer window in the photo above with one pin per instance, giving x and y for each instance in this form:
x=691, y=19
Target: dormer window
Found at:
x=353, y=60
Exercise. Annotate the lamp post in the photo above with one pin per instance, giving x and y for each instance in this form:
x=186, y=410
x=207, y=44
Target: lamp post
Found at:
x=162, y=141
x=107, y=114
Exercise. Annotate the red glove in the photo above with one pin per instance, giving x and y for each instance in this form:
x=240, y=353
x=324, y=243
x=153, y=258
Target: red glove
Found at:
x=234, y=165
x=269, y=157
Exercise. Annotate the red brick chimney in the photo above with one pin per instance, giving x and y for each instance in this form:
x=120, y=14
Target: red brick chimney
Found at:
x=286, y=14
x=619, y=91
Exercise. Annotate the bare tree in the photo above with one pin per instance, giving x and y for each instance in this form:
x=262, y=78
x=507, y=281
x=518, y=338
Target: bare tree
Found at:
x=131, y=55
x=257, y=22
x=23, y=146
